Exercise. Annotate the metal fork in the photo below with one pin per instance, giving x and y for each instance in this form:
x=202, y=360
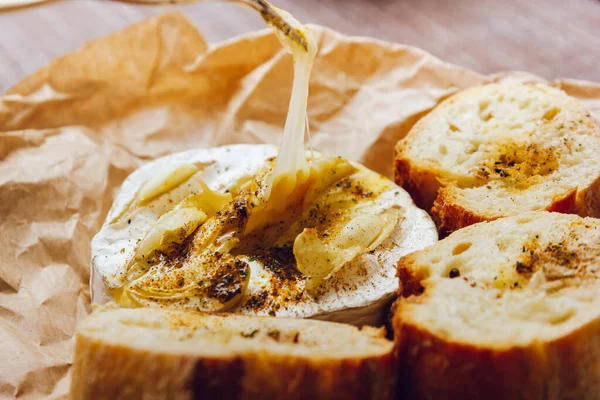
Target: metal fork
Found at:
x=268, y=13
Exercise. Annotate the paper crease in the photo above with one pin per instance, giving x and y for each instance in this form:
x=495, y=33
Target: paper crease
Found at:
x=73, y=131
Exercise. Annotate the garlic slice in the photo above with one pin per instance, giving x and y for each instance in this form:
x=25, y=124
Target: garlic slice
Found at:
x=169, y=178
x=216, y=286
x=319, y=257
x=171, y=229
x=324, y=173
x=207, y=200
x=201, y=274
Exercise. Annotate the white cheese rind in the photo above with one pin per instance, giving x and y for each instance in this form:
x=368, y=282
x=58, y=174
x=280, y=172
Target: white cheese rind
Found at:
x=373, y=274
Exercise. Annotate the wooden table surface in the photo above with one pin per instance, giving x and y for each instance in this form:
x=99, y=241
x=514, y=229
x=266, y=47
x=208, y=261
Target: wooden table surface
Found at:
x=552, y=38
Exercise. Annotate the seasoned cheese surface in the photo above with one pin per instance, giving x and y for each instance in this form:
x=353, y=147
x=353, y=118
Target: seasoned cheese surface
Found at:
x=262, y=276
x=236, y=229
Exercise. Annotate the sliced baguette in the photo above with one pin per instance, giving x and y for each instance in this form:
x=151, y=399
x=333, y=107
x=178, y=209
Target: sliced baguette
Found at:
x=520, y=319
x=167, y=354
x=499, y=150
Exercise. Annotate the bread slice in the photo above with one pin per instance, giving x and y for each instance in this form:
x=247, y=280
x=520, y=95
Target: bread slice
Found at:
x=155, y=353
x=499, y=150
x=508, y=309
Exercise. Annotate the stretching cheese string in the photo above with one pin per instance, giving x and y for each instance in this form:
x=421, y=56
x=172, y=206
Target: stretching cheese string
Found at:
x=291, y=168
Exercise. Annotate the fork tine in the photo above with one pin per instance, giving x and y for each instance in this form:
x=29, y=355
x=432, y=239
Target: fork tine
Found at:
x=273, y=18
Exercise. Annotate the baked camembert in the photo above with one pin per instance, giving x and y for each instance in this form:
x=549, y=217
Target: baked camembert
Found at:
x=246, y=229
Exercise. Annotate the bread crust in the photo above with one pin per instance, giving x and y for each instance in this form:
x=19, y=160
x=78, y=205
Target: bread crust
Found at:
x=566, y=204
x=434, y=363
x=426, y=181
x=115, y=372
x=431, y=367
x=588, y=200
x=422, y=184
x=449, y=215
x=110, y=370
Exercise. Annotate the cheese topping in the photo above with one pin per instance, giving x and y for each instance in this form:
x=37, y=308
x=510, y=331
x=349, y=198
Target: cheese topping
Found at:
x=287, y=236
x=291, y=168
x=149, y=259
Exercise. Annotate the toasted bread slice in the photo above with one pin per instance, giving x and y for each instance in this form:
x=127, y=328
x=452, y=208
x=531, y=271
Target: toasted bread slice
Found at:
x=499, y=150
x=508, y=309
x=155, y=353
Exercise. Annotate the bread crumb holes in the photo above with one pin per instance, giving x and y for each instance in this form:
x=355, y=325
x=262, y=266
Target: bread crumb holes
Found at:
x=503, y=243
x=483, y=114
x=551, y=113
x=461, y=248
x=483, y=104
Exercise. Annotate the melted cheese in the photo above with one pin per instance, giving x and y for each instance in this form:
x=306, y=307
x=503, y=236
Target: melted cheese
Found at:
x=357, y=293
x=291, y=171
x=291, y=168
x=223, y=168
x=298, y=238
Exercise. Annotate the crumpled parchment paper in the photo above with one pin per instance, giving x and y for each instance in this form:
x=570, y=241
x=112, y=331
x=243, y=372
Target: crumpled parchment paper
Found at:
x=70, y=134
